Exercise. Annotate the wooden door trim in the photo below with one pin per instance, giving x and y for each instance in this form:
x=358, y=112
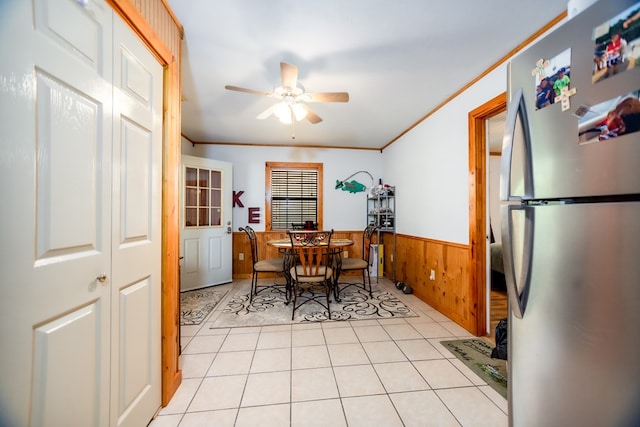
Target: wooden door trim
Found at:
x=478, y=204
x=136, y=21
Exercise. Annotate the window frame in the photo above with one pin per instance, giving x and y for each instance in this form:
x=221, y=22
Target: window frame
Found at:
x=294, y=166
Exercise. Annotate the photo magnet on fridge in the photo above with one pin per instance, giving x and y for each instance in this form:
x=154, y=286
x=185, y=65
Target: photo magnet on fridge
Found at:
x=610, y=119
x=551, y=77
x=617, y=44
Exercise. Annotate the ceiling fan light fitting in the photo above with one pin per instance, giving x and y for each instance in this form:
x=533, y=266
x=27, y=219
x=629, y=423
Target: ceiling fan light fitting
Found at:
x=292, y=97
x=283, y=112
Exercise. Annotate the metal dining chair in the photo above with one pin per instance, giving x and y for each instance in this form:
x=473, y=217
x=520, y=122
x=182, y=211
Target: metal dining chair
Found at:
x=268, y=265
x=354, y=264
x=312, y=271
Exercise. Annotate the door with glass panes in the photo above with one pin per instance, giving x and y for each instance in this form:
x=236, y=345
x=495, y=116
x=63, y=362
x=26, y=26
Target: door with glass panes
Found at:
x=206, y=232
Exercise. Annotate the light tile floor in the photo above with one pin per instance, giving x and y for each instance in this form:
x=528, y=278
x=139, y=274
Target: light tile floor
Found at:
x=391, y=372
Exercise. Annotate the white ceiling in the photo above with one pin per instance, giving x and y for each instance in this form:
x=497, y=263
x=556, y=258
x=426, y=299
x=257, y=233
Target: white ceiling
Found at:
x=397, y=59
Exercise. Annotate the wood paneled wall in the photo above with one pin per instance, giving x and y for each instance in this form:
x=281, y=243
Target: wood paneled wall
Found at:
x=450, y=292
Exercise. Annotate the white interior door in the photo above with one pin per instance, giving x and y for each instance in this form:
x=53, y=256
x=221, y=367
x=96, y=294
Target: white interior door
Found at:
x=67, y=297
x=206, y=233
x=56, y=186
x=136, y=231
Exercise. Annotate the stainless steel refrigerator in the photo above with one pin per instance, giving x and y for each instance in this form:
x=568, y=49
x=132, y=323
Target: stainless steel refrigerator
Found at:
x=570, y=191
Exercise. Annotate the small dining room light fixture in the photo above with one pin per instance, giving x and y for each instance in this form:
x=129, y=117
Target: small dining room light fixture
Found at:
x=353, y=186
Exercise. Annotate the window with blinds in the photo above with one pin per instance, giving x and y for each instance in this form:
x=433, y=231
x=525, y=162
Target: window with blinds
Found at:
x=294, y=197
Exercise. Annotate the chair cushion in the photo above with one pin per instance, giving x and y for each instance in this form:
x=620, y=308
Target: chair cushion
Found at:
x=298, y=272
x=354, y=264
x=269, y=265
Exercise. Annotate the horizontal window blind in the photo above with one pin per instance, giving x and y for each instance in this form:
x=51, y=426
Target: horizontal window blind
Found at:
x=294, y=197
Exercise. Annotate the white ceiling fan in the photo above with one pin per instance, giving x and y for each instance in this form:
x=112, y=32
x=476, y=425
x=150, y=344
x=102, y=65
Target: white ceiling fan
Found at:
x=292, y=98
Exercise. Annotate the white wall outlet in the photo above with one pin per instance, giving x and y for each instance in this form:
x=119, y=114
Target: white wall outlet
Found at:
x=241, y=256
x=346, y=254
x=432, y=275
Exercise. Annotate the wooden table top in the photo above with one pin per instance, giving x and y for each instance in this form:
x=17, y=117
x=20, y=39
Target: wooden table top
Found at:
x=286, y=243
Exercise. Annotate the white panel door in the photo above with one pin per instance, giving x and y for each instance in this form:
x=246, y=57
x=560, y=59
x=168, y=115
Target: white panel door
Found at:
x=65, y=295
x=136, y=231
x=206, y=232
x=55, y=139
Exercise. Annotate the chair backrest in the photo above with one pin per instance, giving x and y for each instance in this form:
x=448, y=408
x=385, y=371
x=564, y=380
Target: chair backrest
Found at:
x=253, y=241
x=307, y=225
x=367, y=239
x=312, y=252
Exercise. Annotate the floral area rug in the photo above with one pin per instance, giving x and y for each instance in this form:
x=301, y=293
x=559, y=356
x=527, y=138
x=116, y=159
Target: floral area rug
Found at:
x=269, y=308
x=476, y=354
x=196, y=305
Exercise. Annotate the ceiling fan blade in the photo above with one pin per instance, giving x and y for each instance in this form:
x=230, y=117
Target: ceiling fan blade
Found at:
x=289, y=74
x=266, y=113
x=311, y=116
x=327, y=97
x=251, y=91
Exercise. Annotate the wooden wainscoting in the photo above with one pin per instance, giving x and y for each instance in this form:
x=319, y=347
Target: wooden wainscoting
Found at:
x=450, y=292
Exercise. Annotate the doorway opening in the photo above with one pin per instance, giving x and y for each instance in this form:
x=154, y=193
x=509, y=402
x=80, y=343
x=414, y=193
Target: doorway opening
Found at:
x=497, y=304
x=479, y=204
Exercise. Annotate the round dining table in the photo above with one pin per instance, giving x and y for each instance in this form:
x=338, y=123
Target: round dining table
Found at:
x=286, y=243
x=337, y=245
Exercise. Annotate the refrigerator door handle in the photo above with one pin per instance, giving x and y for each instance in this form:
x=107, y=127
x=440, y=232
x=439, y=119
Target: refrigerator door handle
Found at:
x=517, y=108
x=518, y=295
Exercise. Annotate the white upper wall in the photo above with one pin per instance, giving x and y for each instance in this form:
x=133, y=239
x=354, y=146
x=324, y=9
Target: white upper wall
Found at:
x=342, y=210
x=430, y=165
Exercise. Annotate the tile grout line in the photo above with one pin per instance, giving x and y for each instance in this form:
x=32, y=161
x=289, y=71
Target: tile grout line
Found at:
x=420, y=311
